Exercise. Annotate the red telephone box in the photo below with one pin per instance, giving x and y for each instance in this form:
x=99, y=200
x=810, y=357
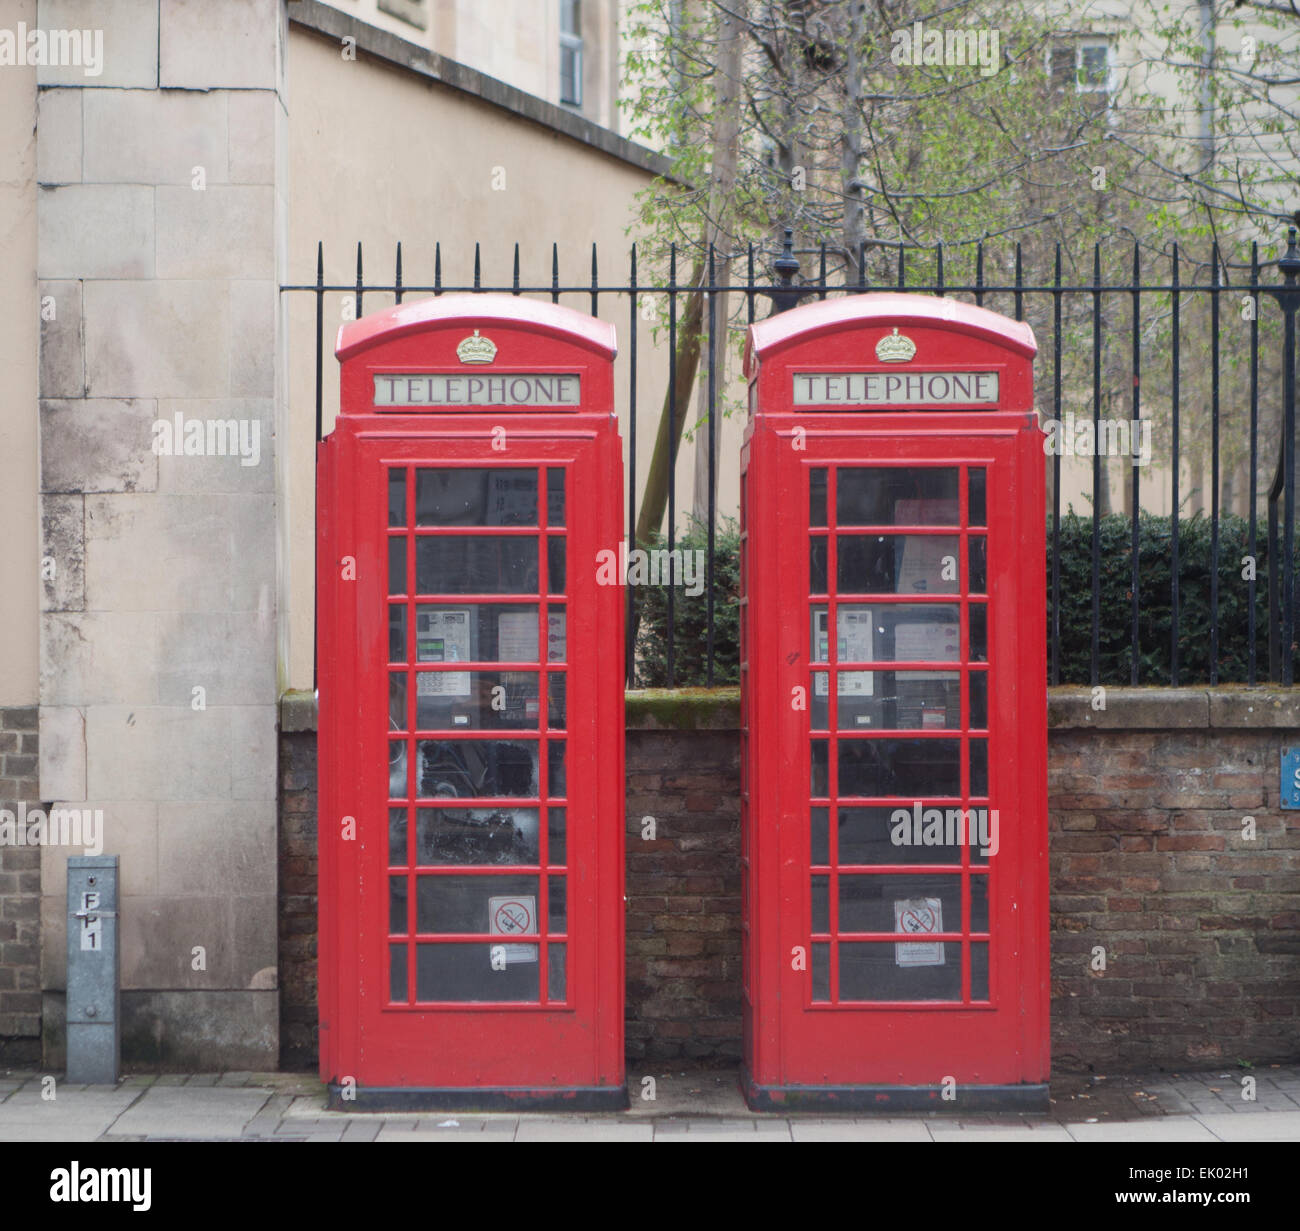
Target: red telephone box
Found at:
x=471, y=711
x=895, y=825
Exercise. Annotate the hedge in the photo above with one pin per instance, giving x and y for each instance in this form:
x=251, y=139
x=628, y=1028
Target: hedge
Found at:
x=1155, y=618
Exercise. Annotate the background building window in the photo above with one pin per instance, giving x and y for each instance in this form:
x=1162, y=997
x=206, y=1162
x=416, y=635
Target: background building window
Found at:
x=571, y=52
x=1083, y=65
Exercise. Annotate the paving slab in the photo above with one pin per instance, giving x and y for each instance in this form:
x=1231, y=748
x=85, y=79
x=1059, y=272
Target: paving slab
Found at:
x=1279, y=1126
x=413, y=1135
x=558, y=1130
x=1001, y=1134
x=860, y=1130
x=1167, y=1128
x=205, y=1111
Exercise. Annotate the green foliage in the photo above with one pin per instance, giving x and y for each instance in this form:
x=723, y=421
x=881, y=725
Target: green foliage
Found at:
x=1155, y=595
x=690, y=616
x=1155, y=618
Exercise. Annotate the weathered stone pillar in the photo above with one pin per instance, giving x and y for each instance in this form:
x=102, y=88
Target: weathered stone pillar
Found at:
x=161, y=244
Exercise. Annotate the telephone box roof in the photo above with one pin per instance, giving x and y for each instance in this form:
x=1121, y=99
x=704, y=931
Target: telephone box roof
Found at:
x=472, y=310
x=885, y=309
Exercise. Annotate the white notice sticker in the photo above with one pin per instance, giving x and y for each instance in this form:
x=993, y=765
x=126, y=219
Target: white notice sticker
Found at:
x=918, y=917
x=514, y=916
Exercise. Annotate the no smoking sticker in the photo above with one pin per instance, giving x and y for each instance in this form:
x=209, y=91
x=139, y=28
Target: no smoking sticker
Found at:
x=513, y=916
x=918, y=917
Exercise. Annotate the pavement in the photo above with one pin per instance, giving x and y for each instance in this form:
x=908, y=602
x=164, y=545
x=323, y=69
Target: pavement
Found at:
x=689, y=1105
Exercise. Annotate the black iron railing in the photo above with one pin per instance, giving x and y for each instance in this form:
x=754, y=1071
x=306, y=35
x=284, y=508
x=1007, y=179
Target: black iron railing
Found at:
x=1166, y=316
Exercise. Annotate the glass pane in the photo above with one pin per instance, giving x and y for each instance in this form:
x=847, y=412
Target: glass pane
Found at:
x=979, y=903
x=907, y=970
x=897, y=563
x=397, y=497
x=886, y=632
x=397, y=768
x=817, y=565
x=557, y=904
x=921, y=832
x=977, y=515
x=397, y=985
x=821, y=845
x=978, y=575
x=979, y=633
x=476, y=564
x=912, y=903
x=476, y=972
x=556, y=981
x=555, y=633
x=397, y=700
x=555, y=836
x=821, y=908
x=397, y=836
x=472, y=497
x=889, y=700
x=397, y=632
x=979, y=970
x=477, y=700
x=979, y=699
x=555, y=497
x=397, y=904
x=855, y=640
x=979, y=767
x=501, y=905
x=475, y=836
x=819, y=758
x=480, y=632
x=555, y=769
x=555, y=564
x=397, y=564
x=907, y=767
x=466, y=769
x=556, y=685
x=889, y=496
x=817, y=497
x=821, y=971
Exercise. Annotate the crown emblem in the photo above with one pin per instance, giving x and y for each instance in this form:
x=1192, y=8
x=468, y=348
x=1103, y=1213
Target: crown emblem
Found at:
x=895, y=348
x=478, y=349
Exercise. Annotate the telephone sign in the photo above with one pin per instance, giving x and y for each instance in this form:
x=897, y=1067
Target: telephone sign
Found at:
x=471, y=711
x=894, y=745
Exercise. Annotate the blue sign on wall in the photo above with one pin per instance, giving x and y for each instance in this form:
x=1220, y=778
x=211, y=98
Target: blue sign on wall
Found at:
x=1291, y=777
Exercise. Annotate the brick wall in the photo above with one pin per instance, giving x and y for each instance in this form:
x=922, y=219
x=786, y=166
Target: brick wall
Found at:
x=297, y=866
x=683, y=896
x=1200, y=925
x=1150, y=860
x=20, y=896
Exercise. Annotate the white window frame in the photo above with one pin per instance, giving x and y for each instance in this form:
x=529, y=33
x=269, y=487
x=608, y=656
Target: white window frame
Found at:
x=1079, y=43
x=571, y=42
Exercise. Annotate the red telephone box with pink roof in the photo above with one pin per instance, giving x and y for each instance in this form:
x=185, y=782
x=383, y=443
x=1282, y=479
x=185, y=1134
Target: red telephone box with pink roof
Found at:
x=895, y=823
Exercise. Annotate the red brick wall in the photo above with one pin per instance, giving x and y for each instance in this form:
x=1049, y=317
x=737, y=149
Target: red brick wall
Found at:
x=683, y=896
x=1201, y=927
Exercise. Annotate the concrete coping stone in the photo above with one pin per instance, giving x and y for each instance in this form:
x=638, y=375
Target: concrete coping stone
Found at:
x=1269, y=707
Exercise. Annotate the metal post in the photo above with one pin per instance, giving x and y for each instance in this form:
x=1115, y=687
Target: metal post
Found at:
x=93, y=1011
